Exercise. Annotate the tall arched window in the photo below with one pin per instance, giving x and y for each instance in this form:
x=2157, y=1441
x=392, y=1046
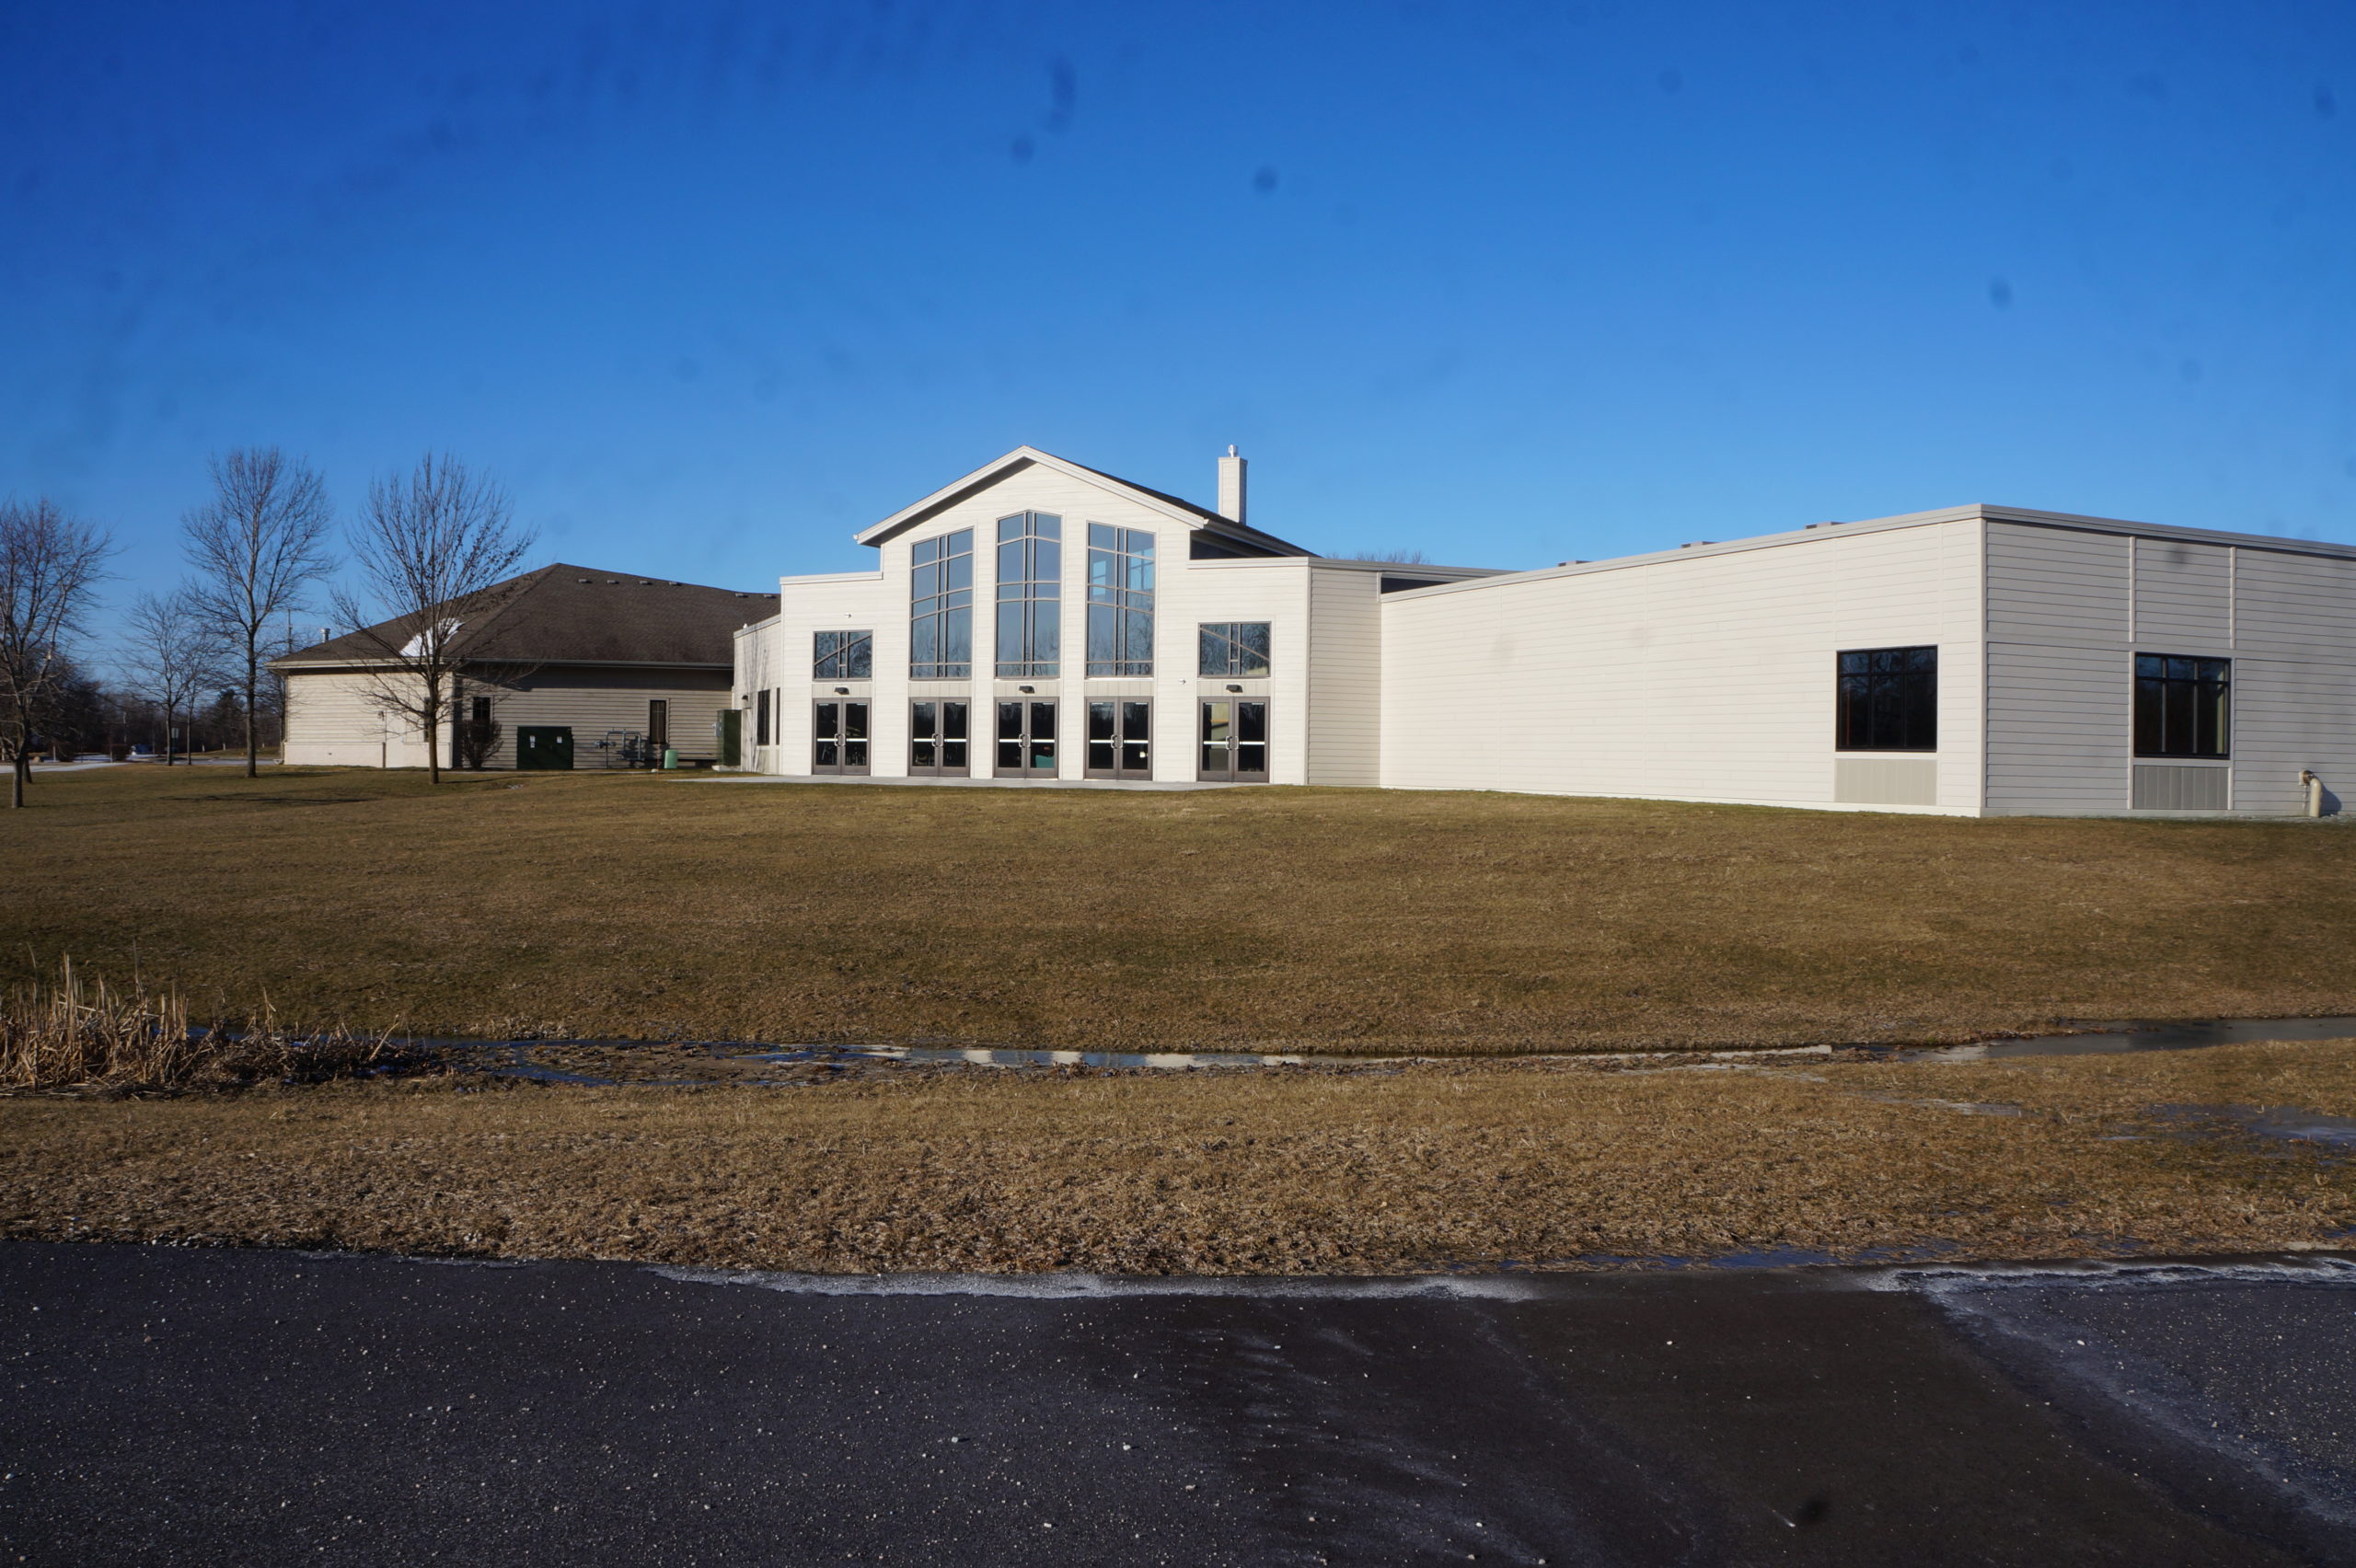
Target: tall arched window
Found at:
x=941, y=607
x=1030, y=595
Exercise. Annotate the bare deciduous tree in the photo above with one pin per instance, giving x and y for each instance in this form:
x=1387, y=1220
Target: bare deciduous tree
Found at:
x=257, y=546
x=48, y=574
x=428, y=546
x=171, y=654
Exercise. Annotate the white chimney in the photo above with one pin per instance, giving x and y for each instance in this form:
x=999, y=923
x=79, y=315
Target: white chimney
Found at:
x=1230, y=487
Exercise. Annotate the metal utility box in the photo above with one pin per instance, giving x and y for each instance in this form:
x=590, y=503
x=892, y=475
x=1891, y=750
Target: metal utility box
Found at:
x=547, y=746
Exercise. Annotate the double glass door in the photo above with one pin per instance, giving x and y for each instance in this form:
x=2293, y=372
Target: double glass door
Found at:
x=1120, y=738
x=937, y=739
x=839, y=736
x=1026, y=740
x=1235, y=740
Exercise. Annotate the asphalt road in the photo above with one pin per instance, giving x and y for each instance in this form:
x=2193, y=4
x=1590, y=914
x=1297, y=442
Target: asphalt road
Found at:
x=162, y=1406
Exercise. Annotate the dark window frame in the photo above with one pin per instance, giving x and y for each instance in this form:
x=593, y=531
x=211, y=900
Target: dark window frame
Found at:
x=842, y=735
x=1223, y=760
x=936, y=726
x=1024, y=748
x=1221, y=640
x=941, y=607
x=2184, y=707
x=1030, y=596
x=1887, y=700
x=842, y=655
x=1117, y=739
x=1120, y=602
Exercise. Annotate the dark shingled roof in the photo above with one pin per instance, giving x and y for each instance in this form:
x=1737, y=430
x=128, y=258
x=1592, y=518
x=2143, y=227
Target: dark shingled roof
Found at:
x=576, y=615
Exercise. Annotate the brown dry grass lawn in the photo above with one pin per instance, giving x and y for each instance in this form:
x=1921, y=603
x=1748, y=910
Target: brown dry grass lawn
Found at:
x=1286, y=1171
x=1336, y=920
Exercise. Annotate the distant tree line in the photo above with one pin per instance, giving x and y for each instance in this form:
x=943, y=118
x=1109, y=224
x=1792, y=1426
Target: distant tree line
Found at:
x=191, y=670
x=90, y=714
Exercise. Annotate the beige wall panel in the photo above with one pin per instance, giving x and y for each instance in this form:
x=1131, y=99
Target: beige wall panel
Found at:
x=1884, y=781
x=756, y=648
x=592, y=702
x=331, y=720
x=1345, y=712
x=1700, y=678
x=332, y=723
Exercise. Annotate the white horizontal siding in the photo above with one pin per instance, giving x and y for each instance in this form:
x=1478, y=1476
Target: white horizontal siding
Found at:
x=593, y=702
x=1187, y=593
x=1345, y=697
x=1708, y=677
x=333, y=718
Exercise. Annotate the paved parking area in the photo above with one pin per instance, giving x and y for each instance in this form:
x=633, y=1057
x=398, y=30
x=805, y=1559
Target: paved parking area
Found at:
x=186, y=1406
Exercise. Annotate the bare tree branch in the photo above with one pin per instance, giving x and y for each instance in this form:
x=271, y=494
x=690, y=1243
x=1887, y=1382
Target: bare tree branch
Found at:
x=257, y=546
x=171, y=655
x=49, y=575
x=429, y=547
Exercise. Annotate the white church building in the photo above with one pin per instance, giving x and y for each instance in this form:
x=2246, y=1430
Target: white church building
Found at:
x=1038, y=621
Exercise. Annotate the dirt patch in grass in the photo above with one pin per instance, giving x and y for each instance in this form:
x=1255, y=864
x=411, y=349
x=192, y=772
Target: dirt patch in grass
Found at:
x=1279, y=1171
x=1273, y=919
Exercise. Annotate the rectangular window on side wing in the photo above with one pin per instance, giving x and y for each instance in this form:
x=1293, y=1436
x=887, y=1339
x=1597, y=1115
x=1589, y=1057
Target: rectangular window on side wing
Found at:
x=842, y=655
x=2183, y=706
x=1888, y=700
x=1233, y=650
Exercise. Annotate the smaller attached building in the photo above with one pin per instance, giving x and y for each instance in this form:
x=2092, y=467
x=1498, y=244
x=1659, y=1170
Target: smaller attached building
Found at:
x=566, y=668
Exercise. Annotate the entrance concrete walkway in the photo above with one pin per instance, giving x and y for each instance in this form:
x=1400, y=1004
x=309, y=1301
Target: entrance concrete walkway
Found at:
x=965, y=783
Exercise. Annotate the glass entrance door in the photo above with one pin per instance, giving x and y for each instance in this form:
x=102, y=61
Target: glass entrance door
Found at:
x=839, y=736
x=1120, y=738
x=937, y=740
x=1026, y=740
x=1235, y=740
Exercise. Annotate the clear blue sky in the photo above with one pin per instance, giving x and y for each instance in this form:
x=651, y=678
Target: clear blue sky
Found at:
x=709, y=287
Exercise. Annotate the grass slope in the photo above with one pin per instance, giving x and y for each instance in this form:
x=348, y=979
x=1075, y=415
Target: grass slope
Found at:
x=1469, y=1164
x=1337, y=920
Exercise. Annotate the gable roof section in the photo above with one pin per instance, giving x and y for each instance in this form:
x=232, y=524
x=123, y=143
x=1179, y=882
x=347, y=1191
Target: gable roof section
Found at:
x=1023, y=457
x=574, y=614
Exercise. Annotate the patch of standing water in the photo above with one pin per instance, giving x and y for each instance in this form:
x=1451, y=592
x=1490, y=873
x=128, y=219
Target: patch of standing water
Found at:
x=509, y=1055
x=2286, y=1122
x=950, y=1056
x=2112, y=1038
